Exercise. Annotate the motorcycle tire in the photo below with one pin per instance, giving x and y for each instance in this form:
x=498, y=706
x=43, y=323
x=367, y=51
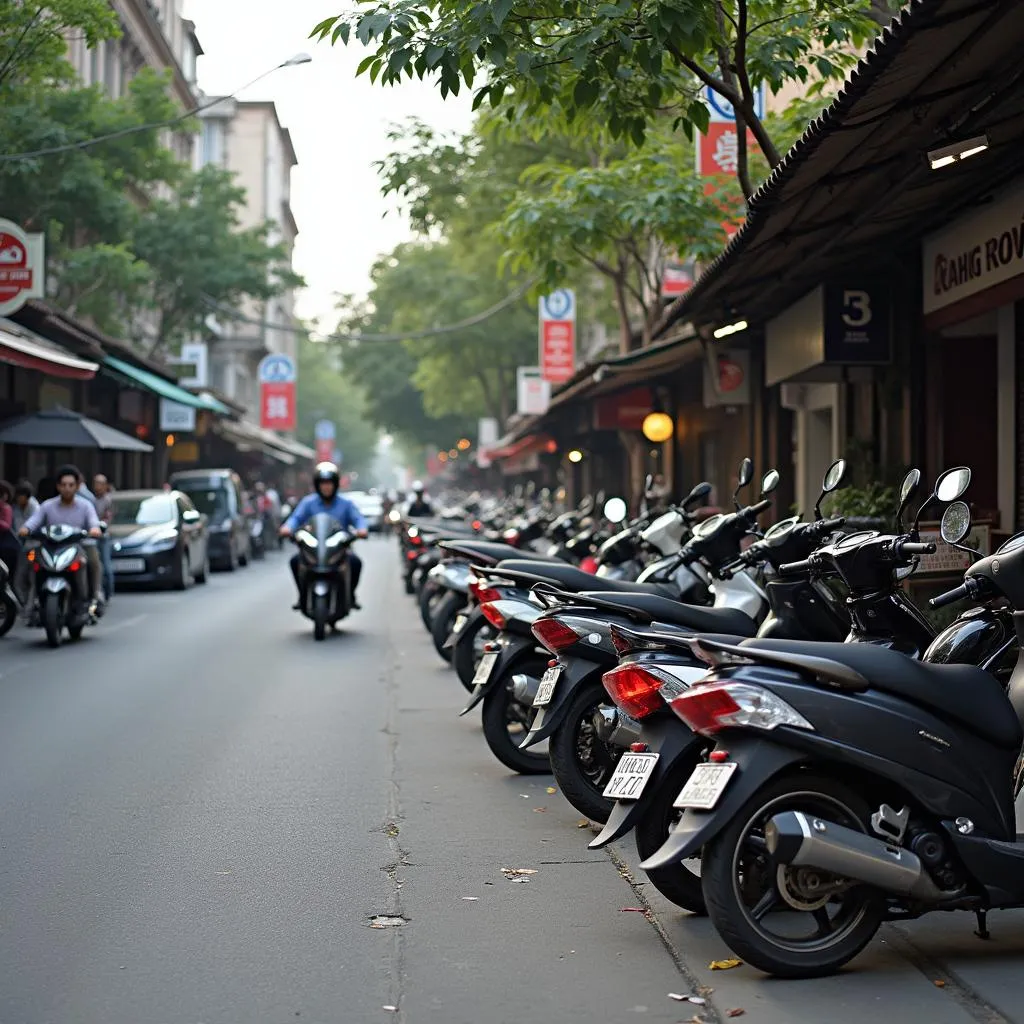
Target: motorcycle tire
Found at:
x=504, y=745
x=677, y=883
x=444, y=619
x=75, y=632
x=319, y=617
x=728, y=908
x=429, y=598
x=584, y=793
x=53, y=620
x=8, y=615
x=410, y=586
x=465, y=653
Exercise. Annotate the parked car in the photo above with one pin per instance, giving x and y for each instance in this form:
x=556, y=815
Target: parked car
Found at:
x=217, y=493
x=158, y=537
x=371, y=508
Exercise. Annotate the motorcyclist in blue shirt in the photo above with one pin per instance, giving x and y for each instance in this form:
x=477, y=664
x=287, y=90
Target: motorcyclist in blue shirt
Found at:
x=325, y=498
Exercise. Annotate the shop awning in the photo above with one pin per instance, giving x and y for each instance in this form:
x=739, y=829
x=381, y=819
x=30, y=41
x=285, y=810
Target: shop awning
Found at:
x=510, y=448
x=249, y=437
x=138, y=377
x=858, y=187
x=21, y=347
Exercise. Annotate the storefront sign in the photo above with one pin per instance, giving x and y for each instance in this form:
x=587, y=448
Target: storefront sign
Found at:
x=677, y=278
x=323, y=435
x=533, y=392
x=857, y=323
x=277, y=392
x=22, y=265
x=948, y=559
x=558, y=336
x=176, y=418
x=726, y=378
x=624, y=411
x=975, y=252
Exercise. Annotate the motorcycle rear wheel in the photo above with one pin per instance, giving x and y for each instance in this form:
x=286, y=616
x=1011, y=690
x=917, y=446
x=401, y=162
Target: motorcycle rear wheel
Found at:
x=500, y=712
x=444, y=619
x=8, y=615
x=53, y=619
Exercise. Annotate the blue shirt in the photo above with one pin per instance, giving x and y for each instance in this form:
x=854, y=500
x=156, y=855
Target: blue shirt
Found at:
x=340, y=508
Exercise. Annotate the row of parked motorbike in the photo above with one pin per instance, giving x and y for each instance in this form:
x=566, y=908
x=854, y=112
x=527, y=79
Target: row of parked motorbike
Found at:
x=797, y=751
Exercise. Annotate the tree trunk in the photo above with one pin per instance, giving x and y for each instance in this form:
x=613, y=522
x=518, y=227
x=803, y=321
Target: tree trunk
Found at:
x=622, y=305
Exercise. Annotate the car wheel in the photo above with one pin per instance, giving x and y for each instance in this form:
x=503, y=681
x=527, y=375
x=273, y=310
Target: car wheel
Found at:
x=203, y=574
x=184, y=575
x=232, y=563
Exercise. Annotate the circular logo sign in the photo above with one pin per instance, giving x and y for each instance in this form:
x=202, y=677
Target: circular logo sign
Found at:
x=277, y=369
x=16, y=274
x=323, y=431
x=730, y=375
x=559, y=305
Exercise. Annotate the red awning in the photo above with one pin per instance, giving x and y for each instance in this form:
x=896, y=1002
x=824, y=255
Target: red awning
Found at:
x=27, y=350
x=530, y=443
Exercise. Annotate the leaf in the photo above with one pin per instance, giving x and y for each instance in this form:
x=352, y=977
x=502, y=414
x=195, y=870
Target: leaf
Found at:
x=500, y=10
x=365, y=63
x=724, y=965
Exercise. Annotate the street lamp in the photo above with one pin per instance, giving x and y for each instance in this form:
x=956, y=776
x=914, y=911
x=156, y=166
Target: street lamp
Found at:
x=575, y=455
x=464, y=444
x=657, y=427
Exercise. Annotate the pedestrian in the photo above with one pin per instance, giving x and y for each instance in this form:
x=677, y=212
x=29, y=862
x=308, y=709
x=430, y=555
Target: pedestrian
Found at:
x=25, y=504
x=104, y=504
x=10, y=548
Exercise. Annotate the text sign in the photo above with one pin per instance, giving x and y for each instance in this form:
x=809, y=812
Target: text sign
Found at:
x=22, y=263
x=277, y=405
x=324, y=430
x=558, y=336
x=277, y=368
x=533, y=392
x=176, y=418
x=857, y=323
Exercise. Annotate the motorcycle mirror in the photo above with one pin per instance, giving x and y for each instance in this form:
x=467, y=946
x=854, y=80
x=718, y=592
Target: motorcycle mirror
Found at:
x=956, y=523
x=600, y=498
x=615, y=510
x=952, y=484
x=746, y=474
x=911, y=482
x=699, y=493
x=769, y=482
x=648, y=482
x=834, y=479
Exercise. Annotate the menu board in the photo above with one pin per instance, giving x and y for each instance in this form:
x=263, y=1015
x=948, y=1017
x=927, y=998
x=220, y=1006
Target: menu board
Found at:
x=948, y=559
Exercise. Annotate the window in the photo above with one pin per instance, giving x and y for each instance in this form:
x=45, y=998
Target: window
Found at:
x=145, y=511
x=95, y=65
x=213, y=142
x=112, y=67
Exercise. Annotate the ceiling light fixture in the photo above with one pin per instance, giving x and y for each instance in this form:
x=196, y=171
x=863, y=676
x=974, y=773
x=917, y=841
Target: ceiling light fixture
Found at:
x=724, y=332
x=958, y=151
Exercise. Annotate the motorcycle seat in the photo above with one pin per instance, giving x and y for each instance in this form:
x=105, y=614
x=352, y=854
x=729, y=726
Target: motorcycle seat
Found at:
x=568, y=577
x=965, y=693
x=490, y=552
x=688, y=616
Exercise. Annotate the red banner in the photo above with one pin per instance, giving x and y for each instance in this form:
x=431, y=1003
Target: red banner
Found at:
x=557, y=350
x=324, y=450
x=717, y=160
x=277, y=406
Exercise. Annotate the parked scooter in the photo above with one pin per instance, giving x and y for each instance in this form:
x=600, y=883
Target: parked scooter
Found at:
x=9, y=604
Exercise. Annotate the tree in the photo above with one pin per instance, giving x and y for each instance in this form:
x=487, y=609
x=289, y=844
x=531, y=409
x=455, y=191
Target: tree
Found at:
x=623, y=64
x=325, y=392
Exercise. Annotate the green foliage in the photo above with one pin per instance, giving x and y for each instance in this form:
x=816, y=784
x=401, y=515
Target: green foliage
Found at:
x=874, y=501
x=325, y=392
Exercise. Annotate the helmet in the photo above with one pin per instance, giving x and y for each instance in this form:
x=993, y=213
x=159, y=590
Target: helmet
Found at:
x=326, y=471
x=418, y=487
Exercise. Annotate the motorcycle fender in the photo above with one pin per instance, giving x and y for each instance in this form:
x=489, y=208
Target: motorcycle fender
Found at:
x=674, y=742
x=512, y=648
x=55, y=584
x=321, y=588
x=576, y=673
x=471, y=617
x=759, y=760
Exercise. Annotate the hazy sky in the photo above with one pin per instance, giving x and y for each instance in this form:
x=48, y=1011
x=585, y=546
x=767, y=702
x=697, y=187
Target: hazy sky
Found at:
x=338, y=124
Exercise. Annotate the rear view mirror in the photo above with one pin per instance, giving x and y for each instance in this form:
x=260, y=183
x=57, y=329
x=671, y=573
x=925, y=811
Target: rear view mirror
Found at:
x=699, y=493
x=746, y=474
x=648, y=482
x=615, y=510
x=956, y=522
x=190, y=515
x=834, y=478
x=952, y=483
x=911, y=482
x=769, y=482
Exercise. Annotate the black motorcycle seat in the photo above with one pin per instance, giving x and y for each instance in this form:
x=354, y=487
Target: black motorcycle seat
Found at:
x=963, y=692
x=675, y=613
x=489, y=551
x=568, y=577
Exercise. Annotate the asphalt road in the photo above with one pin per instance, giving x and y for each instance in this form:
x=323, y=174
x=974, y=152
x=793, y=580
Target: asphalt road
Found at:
x=202, y=812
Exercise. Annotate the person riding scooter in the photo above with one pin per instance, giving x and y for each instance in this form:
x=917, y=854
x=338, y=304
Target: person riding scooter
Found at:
x=325, y=498
x=419, y=505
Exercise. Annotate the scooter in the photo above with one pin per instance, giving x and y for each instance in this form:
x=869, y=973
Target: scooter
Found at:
x=323, y=549
x=61, y=597
x=9, y=603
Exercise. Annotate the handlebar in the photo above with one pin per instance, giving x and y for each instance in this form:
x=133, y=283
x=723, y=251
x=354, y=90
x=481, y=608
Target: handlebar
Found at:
x=949, y=596
x=911, y=547
x=758, y=508
x=791, y=568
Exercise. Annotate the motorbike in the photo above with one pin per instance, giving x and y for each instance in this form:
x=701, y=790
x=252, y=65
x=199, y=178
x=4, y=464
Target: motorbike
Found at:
x=323, y=549
x=60, y=594
x=9, y=603
x=258, y=537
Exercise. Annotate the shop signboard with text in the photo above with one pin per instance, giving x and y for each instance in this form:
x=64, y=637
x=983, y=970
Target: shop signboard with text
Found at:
x=558, y=336
x=277, y=379
x=22, y=266
x=857, y=322
x=323, y=437
x=533, y=392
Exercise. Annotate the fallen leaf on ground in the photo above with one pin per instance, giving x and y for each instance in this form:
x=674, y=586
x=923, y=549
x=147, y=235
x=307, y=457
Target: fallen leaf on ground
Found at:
x=471, y=899
x=582, y=823
x=551, y=789
x=939, y=984
x=525, y=796
x=518, y=872
x=390, y=1009
x=632, y=910
x=540, y=810
x=735, y=1013
x=724, y=965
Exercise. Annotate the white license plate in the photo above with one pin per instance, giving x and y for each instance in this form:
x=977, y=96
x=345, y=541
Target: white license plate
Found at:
x=706, y=785
x=460, y=622
x=483, y=670
x=129, y=565
x=631, y=775
x=546, y=690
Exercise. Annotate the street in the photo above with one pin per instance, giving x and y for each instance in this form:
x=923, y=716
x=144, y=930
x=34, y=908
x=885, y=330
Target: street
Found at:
x=203, y=813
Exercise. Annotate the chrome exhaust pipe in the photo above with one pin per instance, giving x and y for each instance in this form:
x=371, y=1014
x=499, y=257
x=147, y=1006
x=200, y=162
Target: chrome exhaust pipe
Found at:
x=615, y=728
x=524, y=687
x=803, y=840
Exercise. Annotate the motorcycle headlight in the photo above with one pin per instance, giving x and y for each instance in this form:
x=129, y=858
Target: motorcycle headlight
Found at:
x=305, y=538
x=336, y=538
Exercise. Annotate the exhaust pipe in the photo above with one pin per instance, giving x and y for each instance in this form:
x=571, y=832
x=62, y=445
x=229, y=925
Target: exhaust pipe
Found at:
x=804, y=841
x=524, y=687
x=615, y=728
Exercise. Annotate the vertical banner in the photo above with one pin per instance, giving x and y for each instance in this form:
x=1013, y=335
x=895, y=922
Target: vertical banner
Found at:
x=533, y=392
x=323, y=436
x=22, y=267
x=558, y=336
x=277, y=392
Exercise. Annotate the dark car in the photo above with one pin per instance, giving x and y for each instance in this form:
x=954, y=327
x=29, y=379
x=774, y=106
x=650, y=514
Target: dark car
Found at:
x=217, y=493
x=158, y=537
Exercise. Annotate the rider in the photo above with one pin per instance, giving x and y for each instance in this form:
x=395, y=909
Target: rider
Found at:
x=69, y=508
x=325, y=498
x=420, y=504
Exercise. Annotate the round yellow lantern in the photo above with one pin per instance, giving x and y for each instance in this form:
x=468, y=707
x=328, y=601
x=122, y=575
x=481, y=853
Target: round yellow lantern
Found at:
x=657, y=427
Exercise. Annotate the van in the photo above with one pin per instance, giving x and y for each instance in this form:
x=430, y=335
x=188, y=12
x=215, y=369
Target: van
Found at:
x=218, y=494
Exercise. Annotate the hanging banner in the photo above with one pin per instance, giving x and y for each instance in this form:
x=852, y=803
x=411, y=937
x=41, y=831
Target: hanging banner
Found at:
x=726, y=377
x=277, y=392
x=558, y=336
x=533, y=392
x=22, y=267
x=323, y=435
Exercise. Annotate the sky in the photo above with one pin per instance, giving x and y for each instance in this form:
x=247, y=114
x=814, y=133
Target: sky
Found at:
x=338, y=125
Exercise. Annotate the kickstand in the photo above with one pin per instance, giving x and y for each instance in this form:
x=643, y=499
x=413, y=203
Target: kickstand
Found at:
x=982, y=930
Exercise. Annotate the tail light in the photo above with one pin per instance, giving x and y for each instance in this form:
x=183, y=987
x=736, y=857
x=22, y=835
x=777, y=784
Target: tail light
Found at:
x=75, y=566
x=712, y=707
x=493, y=614
x=416, y=541
x=634, y=690
x=589, y=565
x=482, y=593
x=554, y=635
x=411, y=555
x=511, y=537
x=477, y=525
x=31, y=556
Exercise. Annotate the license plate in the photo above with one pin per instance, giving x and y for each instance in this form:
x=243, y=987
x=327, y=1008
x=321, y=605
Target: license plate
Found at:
x=129, y=565
x=546, y=690
x=631, y=775
x=706, y=785
x=460, y=623
x=483, y=670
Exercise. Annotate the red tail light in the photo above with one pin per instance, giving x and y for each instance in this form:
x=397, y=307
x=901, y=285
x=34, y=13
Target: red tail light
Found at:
x=411, y=555
x=554, y=635
x=705, y=709
x=416, y=541
x=589, y=565
x=75, y=565
x=477, y=525
x=483, y=593
x=634, y=690
x=712, y=707
x=493, y=615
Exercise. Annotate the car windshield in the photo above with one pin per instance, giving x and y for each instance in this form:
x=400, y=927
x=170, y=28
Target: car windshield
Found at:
x=213, y=502
x=150, y=510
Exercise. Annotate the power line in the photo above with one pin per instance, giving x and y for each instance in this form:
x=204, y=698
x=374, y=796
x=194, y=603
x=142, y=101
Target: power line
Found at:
x=430, y=332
